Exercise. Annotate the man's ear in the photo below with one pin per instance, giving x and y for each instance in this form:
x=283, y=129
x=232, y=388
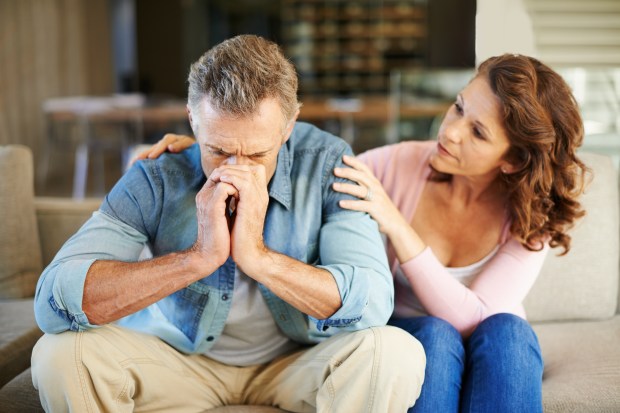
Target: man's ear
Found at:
x=289, y=127
x=193, y=125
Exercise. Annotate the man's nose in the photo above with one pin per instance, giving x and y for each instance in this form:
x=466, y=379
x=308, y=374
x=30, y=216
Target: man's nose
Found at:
x=237, y=160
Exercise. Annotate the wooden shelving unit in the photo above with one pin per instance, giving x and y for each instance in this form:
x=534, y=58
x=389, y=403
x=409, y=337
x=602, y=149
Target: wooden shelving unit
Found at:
x=347, y=48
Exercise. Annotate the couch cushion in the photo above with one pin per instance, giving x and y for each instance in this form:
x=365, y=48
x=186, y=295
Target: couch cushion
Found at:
x=20, y=396
x=582, y=366
x=60, y=218
x=20, y=253
x=584, y=283
x=246, y=409
x=18, y=335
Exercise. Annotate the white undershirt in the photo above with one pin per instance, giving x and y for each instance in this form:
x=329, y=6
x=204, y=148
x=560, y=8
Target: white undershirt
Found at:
x=251, y=335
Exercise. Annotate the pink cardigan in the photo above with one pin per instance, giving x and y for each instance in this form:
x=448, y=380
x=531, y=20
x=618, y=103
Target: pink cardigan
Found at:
x=502, y=284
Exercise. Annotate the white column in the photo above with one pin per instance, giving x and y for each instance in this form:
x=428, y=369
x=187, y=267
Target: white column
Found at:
x=503, y=26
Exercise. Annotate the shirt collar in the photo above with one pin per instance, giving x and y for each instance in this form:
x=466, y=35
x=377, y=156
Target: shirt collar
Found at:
x=280, y=186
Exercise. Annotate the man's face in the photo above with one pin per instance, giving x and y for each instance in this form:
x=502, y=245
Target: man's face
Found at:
x=232, y=140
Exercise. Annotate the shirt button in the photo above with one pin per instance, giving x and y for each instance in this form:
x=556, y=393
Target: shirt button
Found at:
x=210, y=338
x=224, y=297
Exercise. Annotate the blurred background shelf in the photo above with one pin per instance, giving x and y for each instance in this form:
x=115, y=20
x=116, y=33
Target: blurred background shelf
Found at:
x=357, y=62
x=346, y=48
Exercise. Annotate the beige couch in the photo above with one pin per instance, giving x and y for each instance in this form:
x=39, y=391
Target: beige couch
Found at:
x=574, y=304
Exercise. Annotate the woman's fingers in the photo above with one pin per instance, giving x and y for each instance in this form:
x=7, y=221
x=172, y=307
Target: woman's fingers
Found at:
x=164, y=144
x=356, y=164
x=358, y=172
x=181, y=143
x=157, y=149
x=139, y=156
x=361, y=175
x=351, y=189
x=352, y=175
x=170, y=142
x=355, y=205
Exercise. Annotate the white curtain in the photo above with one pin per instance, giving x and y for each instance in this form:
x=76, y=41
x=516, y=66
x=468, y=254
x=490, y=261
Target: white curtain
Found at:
x=49, y=48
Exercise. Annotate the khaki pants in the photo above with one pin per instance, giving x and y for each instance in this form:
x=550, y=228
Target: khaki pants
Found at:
x=112, y=369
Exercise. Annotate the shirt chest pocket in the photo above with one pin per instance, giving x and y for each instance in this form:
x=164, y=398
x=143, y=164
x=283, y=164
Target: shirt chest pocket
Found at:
x=184, y=308
x=195, y=294
x=312, y=253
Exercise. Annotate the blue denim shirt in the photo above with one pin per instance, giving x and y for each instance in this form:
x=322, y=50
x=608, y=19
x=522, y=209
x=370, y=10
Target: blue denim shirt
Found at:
x=154, y=205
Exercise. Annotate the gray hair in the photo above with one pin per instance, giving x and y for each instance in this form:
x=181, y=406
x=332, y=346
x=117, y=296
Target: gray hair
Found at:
x=237, y=74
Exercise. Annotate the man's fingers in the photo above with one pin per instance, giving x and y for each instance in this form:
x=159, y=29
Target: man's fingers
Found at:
x=241, y=168
x=239, y=174
x=221, y=190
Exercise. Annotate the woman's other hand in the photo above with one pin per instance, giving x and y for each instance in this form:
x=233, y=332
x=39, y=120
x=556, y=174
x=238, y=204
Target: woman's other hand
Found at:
x=376, y=202
x=373, y=198
x=170, y=142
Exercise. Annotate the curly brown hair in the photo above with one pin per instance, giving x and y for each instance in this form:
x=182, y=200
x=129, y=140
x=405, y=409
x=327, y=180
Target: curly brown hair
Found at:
x=544, y=126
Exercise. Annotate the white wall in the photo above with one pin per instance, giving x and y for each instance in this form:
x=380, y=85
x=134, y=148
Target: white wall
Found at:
x=503, y=26
x=579, y=38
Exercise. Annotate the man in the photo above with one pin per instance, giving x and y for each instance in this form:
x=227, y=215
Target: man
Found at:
x=261, y=290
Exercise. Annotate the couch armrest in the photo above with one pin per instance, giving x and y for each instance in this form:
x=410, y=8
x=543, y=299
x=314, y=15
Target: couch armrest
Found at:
x=58, y=219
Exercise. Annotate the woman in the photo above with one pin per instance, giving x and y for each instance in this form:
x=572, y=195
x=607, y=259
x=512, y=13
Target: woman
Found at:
x=469, y=220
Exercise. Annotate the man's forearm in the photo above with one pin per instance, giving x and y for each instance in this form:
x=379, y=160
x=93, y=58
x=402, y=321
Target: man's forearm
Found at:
x=311, y=290
x=115, y=289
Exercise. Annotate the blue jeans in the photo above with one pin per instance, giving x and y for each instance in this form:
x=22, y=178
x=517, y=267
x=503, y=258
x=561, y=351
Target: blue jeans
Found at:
x=498, y=369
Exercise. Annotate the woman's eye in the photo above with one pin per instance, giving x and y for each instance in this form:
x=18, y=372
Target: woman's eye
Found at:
x=458, y=108
x=478, y=134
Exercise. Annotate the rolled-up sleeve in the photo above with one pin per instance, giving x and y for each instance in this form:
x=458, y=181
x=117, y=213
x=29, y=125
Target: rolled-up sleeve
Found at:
x=58, y=298
x=59, y=292
x=351, y=249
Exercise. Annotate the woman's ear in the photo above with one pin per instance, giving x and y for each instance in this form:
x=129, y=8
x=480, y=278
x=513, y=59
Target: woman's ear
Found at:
x=507, y=168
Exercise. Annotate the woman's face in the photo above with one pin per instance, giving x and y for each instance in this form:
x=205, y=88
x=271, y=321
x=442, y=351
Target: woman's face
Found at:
x=472, y=141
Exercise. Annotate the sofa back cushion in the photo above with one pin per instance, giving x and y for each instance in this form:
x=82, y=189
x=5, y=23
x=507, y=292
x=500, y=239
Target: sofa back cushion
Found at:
x=584, y=283
x=58, y=219
x=20, y=253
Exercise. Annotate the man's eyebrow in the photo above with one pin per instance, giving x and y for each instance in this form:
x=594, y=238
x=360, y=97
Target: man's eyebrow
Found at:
x=223, y=152
x=260, y=153
x=216, y=149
